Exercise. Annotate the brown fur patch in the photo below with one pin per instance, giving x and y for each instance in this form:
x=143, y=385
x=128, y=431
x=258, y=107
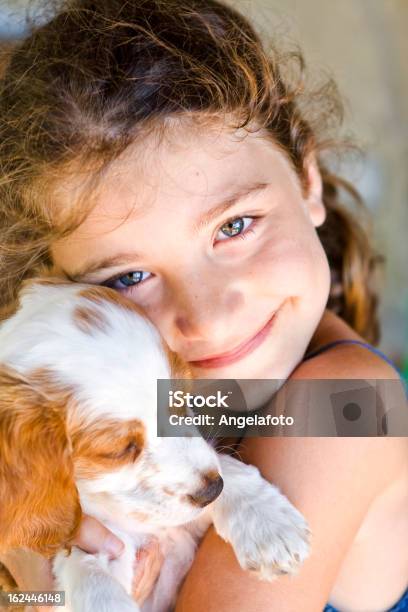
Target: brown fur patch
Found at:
x=88, y=320
x=39, y=501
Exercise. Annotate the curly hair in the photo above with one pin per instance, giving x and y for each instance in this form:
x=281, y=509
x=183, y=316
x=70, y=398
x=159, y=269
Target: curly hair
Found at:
x=78, y=90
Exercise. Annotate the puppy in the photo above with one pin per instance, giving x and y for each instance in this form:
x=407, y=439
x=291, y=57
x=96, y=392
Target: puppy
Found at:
x=78, y=371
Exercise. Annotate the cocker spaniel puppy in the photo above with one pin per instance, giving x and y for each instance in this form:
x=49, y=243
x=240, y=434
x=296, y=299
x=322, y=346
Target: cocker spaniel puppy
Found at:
x=78, y=427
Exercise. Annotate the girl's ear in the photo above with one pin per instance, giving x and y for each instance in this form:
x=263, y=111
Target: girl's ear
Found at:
x=314, y=191
x=39, y=502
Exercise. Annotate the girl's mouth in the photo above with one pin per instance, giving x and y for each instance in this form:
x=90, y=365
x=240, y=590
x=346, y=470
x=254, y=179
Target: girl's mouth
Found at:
x=241, y=351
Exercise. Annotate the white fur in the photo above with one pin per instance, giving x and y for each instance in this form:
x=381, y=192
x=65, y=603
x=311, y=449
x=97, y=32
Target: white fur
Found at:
x=114, y=374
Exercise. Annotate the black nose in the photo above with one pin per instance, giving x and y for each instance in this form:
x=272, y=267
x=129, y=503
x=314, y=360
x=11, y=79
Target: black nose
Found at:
x=207, y=494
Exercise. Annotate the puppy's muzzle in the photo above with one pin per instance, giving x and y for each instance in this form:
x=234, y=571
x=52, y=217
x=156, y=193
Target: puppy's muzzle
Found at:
x=209, y=492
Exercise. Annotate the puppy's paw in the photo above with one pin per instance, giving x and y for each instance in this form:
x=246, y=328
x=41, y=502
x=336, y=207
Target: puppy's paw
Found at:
x=274, y=541
x=269, y=536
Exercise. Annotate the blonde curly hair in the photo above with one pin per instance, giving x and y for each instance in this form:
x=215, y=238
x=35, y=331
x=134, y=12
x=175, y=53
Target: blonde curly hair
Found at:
x=81, y=88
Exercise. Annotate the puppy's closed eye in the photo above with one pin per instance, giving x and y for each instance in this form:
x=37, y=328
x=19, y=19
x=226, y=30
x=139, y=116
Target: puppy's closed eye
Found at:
x=131, y=451
x=102, y=446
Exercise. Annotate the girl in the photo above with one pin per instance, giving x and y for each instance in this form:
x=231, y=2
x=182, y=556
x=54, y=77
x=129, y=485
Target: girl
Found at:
x=159, y=149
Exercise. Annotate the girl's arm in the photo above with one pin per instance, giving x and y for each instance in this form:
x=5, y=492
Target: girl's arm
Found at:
x=332, y=481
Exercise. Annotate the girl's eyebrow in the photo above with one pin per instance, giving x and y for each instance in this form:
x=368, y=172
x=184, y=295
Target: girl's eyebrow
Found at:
x=240, y=194
x=81, y=273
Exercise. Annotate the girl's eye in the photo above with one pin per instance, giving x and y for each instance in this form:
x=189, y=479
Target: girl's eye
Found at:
x=238, y=227
x=130, y=279
x=235, y=227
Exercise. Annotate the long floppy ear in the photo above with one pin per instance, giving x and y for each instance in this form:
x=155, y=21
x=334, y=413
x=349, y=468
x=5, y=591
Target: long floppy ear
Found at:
x=39, y=502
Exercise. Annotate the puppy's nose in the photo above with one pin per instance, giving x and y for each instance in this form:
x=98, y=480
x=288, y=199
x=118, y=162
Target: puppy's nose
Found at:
x=209, y=492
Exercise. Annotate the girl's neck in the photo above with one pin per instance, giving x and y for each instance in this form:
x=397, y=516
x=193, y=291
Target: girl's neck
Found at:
x=331, y=328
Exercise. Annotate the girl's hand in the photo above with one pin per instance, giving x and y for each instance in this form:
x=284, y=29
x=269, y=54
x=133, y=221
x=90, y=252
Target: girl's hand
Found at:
x=94, y=537
x=149, y=562
x=33, y=572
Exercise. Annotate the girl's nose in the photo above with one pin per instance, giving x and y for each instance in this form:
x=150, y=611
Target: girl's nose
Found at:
x=204, y=310
x=207, y=318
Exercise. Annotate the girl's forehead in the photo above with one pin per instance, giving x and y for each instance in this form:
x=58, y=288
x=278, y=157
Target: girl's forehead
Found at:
x=199, y=166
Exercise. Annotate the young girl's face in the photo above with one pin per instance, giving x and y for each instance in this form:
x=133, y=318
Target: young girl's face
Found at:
x=210, y=233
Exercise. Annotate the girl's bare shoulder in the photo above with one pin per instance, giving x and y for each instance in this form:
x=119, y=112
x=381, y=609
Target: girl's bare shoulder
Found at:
x=343, y=360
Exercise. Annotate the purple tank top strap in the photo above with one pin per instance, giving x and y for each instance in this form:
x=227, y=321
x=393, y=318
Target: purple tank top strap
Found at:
x=373, y=349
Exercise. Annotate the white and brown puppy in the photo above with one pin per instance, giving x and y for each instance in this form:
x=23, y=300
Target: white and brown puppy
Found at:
x=78, y=370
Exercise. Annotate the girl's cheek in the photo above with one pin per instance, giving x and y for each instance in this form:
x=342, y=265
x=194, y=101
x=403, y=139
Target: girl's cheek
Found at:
x=287, y=266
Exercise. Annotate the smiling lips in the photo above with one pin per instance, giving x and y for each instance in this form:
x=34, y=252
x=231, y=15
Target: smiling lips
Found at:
x=241, y=351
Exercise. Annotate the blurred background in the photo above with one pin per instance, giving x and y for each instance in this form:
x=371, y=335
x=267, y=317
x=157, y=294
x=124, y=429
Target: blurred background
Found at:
x=363, y=44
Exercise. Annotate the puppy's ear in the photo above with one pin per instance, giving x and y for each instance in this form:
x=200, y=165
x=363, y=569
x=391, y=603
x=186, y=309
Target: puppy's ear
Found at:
x=39, y=503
